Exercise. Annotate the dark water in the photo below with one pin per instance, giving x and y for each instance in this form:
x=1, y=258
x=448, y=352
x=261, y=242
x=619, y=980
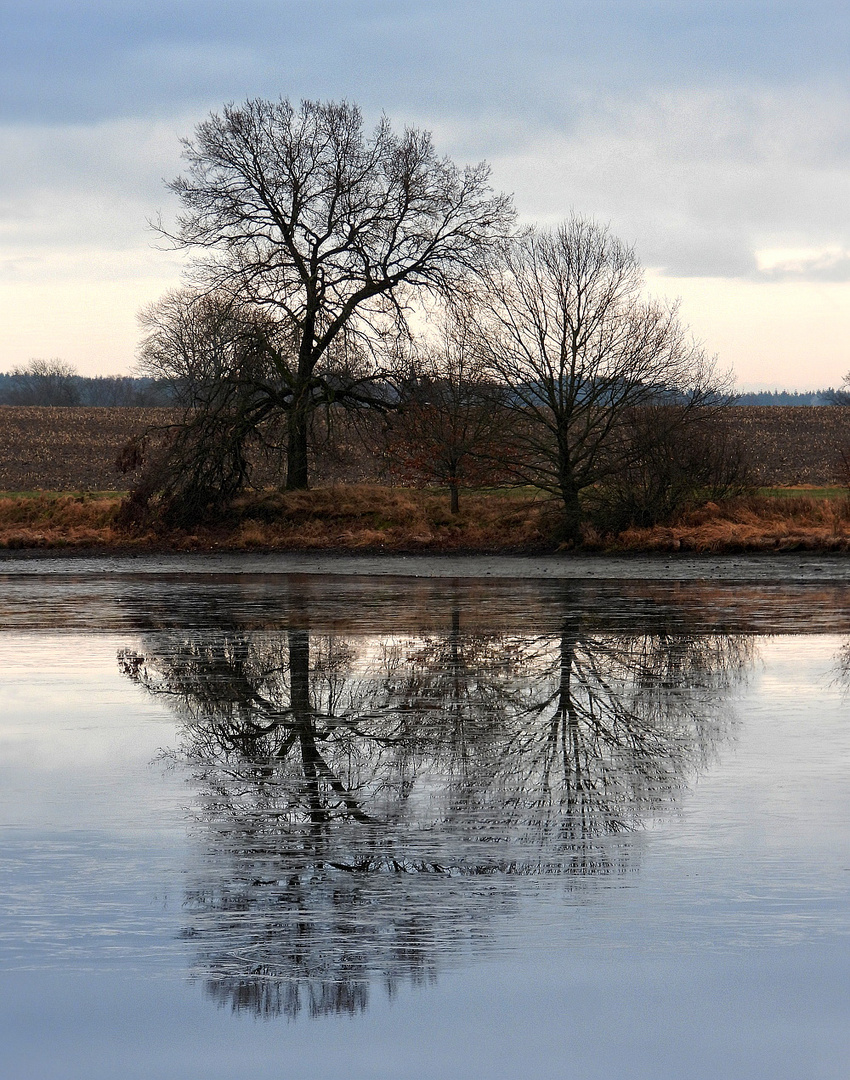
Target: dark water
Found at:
x=276, y=826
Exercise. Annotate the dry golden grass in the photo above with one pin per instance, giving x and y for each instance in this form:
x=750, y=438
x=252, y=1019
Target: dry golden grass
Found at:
x=355, y=517
x=53, y=522
x=757, y=523
x=361, y=516
x=372, y=518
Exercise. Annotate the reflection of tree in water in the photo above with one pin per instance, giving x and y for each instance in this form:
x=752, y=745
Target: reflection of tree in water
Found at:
x=597, y=732
x=842, y=666
x=367, y=802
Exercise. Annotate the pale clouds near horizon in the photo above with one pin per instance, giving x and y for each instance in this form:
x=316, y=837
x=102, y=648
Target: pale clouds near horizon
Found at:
x=713, y=136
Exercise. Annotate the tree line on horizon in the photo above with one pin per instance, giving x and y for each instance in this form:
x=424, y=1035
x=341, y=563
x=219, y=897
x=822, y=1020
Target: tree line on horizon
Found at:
x=57, y=384
x=794, y=398
x=54, y=383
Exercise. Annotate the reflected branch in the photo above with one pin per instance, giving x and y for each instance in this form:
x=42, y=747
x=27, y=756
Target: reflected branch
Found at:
x=366, y=805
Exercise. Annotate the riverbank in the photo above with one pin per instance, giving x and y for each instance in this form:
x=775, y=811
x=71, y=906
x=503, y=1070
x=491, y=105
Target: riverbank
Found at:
x=384, y=521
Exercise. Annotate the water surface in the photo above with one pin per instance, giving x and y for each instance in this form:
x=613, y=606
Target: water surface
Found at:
x=281, y=825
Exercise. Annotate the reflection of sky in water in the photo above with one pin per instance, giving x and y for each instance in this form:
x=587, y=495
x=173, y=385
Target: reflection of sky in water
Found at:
x=74, y=746
x=718, y=947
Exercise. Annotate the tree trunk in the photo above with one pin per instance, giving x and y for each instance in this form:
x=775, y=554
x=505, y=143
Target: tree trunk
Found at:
x=455, y=497
x=571, y=528
x=299, y=413
x=302, y=712
x=296, y=451
x=569, y=733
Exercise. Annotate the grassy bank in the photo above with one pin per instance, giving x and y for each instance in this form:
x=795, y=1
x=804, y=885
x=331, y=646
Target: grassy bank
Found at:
x=355, y=517
x=784, y=521
x=368, y=518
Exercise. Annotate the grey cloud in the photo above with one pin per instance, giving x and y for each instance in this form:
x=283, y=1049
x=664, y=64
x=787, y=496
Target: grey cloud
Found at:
x=95, y=60
x=700, y=146
x=695, y=252
x=91, y=186
x=826, y=268
x=700, y=181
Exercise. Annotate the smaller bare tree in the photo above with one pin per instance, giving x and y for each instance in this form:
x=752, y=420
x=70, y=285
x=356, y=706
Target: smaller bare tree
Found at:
x=217, y=360
x=565, y=329
x=448, y=428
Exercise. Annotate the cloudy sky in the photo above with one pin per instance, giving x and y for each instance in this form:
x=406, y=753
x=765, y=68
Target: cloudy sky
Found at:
x=712, y=134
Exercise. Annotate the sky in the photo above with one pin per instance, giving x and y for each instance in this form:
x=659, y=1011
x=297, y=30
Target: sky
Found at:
x=714, y=136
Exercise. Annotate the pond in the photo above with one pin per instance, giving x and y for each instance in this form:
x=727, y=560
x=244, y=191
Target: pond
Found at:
x=272, y=825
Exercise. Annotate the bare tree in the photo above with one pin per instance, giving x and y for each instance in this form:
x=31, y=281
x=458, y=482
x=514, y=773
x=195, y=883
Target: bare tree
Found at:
x=300, y=214
x=567, y=332
x=447, y=428
x=44, y=382
x=216, y=358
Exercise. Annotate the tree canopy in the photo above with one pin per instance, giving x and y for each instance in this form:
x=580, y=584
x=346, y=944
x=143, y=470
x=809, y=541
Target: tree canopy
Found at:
x=301, y=214
x=564, y=328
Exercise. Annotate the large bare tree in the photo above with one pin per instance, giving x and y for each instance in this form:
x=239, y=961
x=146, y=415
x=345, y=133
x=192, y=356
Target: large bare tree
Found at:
x=566, y=330
x=300, y=213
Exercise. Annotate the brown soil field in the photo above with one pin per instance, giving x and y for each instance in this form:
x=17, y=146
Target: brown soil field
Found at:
x=51, y=449
x=794, y=445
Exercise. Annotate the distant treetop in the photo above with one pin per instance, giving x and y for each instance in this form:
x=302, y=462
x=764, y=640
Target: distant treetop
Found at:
x=56, y=383
x=789, y=397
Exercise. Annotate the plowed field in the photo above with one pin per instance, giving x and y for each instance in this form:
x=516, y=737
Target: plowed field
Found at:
x=51, y=449
x=795, y=444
